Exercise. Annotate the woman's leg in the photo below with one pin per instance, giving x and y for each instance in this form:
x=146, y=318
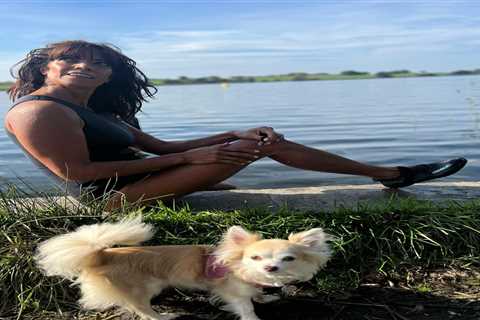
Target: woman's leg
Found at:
x=172, y=183
x=303, y=157
x=186, y=179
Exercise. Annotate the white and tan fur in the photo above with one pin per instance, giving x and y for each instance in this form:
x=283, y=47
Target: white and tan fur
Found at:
x=129, y=277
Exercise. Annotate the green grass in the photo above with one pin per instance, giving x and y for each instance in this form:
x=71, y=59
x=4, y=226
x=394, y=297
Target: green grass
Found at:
x=5, y=85
x=386, y=239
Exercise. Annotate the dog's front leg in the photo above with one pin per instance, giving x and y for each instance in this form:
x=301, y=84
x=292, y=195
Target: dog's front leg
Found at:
x=241, y=306
x=266, y=298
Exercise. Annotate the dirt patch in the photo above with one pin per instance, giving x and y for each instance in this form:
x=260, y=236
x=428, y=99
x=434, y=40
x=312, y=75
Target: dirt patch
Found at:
x=425, y=295
x=368, y=303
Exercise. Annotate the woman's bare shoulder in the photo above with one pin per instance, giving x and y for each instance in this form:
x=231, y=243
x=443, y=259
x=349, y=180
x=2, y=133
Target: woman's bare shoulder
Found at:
x=40, y=113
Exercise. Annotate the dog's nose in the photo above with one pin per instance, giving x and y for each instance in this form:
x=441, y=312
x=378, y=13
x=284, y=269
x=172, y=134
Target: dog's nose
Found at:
x=271, y=268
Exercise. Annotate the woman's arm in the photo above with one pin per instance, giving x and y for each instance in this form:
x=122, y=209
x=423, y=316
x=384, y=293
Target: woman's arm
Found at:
x=54, y=136
x=150, y=144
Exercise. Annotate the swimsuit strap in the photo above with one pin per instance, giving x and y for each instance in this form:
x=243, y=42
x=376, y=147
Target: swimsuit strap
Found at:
x=46, y=98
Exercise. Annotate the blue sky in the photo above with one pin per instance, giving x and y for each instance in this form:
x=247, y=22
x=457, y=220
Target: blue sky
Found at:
x=199, y=38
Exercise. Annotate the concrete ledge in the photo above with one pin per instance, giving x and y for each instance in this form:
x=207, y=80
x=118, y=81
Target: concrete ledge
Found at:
x=310, y=198
x=328, y=197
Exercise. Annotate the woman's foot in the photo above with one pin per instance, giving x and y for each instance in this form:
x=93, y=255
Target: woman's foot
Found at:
x=423, y=172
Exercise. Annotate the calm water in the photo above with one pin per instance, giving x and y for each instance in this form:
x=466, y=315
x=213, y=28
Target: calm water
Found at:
x=381, y=121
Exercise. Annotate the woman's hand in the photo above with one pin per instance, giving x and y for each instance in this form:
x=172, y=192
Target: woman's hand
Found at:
x=221, y=154
x=264, y=135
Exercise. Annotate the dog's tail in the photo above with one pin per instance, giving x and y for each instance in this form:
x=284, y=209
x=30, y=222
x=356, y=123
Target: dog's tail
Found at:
x=66, y=255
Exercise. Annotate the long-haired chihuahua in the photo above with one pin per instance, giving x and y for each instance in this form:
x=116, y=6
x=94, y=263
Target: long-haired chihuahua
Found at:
x=128, y=277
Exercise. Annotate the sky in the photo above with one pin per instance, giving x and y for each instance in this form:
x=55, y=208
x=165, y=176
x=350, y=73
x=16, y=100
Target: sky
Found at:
x=225, y=38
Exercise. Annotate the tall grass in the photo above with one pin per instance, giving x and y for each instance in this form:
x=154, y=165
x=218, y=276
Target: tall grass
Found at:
x=385, y=239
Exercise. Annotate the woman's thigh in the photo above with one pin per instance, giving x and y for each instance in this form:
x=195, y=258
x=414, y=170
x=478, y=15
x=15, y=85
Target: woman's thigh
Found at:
x=182, y=180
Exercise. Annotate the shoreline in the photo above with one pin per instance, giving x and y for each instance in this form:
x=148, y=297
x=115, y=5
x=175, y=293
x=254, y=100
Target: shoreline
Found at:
x=294, y=77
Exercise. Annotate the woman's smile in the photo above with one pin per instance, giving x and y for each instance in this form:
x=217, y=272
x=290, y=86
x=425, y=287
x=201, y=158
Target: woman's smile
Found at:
x=78, y=74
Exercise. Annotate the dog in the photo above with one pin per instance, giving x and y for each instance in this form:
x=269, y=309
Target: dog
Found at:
x=128, y=277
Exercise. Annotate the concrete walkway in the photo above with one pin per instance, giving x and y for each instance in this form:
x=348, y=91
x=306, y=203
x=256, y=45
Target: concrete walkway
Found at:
x=328, y=197
x=314, y=198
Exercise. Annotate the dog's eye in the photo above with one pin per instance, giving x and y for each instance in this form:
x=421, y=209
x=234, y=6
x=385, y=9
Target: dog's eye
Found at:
x=289, y=258
x=256, y=258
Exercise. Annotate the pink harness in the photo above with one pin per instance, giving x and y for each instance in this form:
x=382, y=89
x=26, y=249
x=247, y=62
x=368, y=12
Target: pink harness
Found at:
x=217, y=270
x=214, y=269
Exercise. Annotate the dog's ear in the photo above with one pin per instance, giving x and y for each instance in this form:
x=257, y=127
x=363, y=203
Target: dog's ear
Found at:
x=230, y=249
x=314, y=242
x=311, y=238
x=238, y=236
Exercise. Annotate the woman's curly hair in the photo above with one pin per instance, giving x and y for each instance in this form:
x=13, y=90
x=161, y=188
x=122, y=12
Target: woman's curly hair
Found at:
x=122, y=95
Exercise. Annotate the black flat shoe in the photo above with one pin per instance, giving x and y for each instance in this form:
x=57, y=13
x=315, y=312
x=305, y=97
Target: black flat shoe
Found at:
x=423, y=172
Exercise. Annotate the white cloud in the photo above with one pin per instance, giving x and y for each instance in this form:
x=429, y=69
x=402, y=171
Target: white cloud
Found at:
x=331, y=36
x=230, y=46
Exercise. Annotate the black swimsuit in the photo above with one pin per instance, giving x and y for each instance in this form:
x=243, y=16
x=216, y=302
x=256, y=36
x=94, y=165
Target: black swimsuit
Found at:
x=108, y=139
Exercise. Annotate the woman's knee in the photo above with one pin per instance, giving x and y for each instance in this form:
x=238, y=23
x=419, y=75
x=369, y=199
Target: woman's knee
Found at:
x=264, y=150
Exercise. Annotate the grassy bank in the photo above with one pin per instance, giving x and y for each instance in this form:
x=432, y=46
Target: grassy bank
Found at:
x=390, y=244
x=299, y=76
x=303, y=76
x=5, y=85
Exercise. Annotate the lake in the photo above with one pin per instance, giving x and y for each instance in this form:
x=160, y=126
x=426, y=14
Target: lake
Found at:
x=400, y=121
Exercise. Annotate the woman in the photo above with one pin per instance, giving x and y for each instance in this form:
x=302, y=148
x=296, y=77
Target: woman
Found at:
x=74, y=115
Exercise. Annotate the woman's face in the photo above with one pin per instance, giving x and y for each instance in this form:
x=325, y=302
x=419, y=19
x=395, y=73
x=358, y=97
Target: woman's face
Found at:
x=88, y=71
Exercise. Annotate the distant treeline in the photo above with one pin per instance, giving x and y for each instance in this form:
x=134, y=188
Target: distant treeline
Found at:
x=303, y=76
x=300, y=76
